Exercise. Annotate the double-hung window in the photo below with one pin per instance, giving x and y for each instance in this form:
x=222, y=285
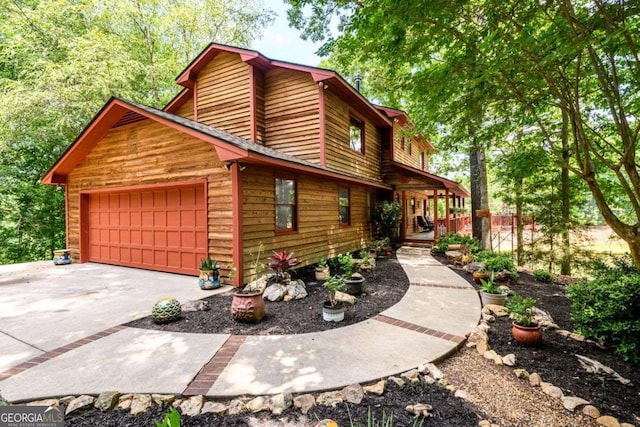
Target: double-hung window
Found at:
x=356, y=135
x=344, y=198
x=286, y=205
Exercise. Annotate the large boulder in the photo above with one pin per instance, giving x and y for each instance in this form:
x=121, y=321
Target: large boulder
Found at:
x=296, y=289
x=275, y=292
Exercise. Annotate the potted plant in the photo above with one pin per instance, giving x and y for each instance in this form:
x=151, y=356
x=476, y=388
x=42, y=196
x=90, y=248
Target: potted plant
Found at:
x=480, y=274
x=490, y=293
x=209, y=274
x=524, y=330
x=247, y=305
x=333, y=310
x=354, y=283
x=322, y=270
x=281, y=263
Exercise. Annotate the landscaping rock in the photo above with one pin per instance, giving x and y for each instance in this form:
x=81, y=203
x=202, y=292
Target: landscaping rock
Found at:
x=275, y=292
x=258, y=404
x=535, y=380
x=434, y=371
x=551, y=390
x=497, y=310
x=163, y=400
x=478, y=336
x=570, y=403
x=608, y=421
x=176, y=403
x=521, y=373
x=509, y=359
x=412, y=375
x=140, y=403
x=80, y=403
x=45, y=402
x=545, y=320
x=353, y=393
x=197, y=305
x=214, y=408
x=346, y=298
x=472, y=267
x=423, y=409
x=260, y=284
x=398, y=381
x=237, y=407
x=462, y=394
x=330, y=398
x=124, y=402
x=297, y=290
x=482, y=347
x=107, y=400
x=280, y=403
x=428, y=379
x=3, y=401
x=192, y=406
x=304, y=402
x=591, y=411
x=377, y=388
x=66, y=400
x=492, y=355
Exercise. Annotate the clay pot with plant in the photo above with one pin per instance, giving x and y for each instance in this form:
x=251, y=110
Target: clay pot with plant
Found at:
x=333, y=310
x=480, y=274
x=490, y=293
x=247, y=305
x=209, y=277
x=322, y=270
x=524, y=330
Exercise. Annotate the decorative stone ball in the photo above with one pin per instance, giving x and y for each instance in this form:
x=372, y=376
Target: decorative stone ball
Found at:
x=166, y=310
x=327, y=423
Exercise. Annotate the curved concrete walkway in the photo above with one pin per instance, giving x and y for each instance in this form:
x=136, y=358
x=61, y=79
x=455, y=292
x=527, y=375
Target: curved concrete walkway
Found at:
x=429, y=322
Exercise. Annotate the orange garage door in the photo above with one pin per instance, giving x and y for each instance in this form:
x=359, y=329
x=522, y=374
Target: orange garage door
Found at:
x=159, y=229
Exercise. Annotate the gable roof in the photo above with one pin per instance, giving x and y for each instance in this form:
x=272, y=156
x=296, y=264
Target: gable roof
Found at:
x=118, y=112
x=335, y=81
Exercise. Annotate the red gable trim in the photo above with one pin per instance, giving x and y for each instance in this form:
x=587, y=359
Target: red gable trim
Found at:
x=455, y=187
x=179, y=100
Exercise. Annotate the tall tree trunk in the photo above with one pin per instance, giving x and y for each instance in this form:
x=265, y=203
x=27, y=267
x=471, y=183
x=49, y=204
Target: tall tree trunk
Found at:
x=565, y=263
x=479, y=193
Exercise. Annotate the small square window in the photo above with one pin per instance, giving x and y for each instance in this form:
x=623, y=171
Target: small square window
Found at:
x=356, y=135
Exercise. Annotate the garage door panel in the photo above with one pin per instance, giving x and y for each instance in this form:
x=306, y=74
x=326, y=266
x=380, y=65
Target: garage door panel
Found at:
x=160, y=229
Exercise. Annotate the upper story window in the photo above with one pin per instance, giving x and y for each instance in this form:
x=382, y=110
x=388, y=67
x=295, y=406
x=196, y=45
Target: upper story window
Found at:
x=402, y=143
x=344, y=198
x=422, y=161
x=286, y=205
x=356, y=135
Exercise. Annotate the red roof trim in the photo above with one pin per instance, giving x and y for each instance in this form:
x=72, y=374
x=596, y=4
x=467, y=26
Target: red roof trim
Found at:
x=447, y=183
x=178, y=101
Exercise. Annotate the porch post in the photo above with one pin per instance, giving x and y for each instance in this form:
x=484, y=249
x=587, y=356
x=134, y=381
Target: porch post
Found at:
x=447, y=225
x=404, y=222
x=435, y=214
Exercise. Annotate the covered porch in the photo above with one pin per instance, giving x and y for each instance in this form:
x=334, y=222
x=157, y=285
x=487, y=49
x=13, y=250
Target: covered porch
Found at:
x=430, y=200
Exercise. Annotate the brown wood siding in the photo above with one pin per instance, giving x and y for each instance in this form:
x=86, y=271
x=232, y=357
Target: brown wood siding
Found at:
x=223, y=95
x=292, y=123
x=318, y=234
x=258, y=82
x=150, y=153
x=186, y=110
x=339, y=155
x=401, y=155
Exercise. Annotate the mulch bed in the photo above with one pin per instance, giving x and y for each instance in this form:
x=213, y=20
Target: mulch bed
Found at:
x=384, y=287
x=555, y=358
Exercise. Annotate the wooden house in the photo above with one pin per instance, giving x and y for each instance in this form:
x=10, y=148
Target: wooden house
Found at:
x=251, y=153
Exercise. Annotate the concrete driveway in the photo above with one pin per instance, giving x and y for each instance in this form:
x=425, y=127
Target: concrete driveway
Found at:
x=43, y=306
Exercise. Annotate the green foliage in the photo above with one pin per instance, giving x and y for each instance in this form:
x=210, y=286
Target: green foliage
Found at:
x=489, y=286
x=171, y=419
x=60, y=61
x=386, y=420
x=607, y=309
x=387, y=219
x=209, y=264
x=281, y=263
x=543, y=276
x=347, y=264
x=522, y=309
x=457, y=239
x=334, y=284
x=322, y=262
x=495, y=261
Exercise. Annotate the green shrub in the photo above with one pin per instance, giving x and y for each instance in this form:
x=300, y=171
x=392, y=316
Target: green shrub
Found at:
x=171, y=419
x=543, y=276
x=387, y=218
x=456, y=239
x=495, y=261
x=607, y=309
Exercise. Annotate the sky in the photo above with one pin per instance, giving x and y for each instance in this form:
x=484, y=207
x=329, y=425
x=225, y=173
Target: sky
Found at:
x=283, y=43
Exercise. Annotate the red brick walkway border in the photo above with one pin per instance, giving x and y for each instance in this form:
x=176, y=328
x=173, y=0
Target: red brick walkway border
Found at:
x=210, y=372
x=57, y=352
x=421, y=329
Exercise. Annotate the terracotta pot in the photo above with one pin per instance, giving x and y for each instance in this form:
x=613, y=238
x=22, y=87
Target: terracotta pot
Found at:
x=247, y=307
x=354, y=286
x=477, y=276
x=322, y=274
x=497, y=299
x=333, y=313
x=527, y=335
x=209, y=279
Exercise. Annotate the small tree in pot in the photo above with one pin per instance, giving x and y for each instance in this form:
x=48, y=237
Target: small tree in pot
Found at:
x=354, y=281
x=333, y=310
x=524, y=329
